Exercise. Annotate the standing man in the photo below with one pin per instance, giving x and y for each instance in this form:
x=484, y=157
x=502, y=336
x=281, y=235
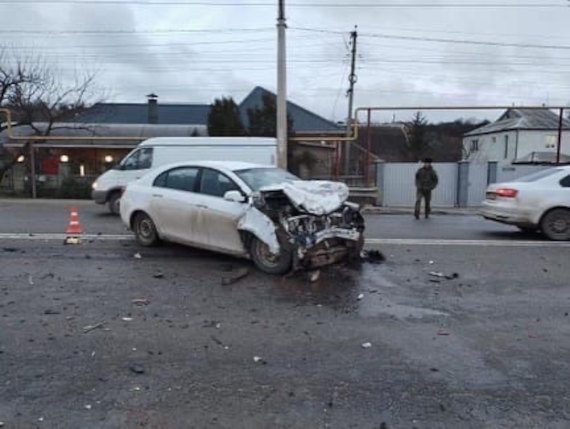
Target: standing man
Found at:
x=426, y=181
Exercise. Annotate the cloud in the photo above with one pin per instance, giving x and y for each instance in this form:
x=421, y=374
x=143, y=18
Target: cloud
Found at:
x=197, y=67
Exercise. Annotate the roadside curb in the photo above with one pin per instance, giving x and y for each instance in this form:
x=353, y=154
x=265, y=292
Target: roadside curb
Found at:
x=410, y=211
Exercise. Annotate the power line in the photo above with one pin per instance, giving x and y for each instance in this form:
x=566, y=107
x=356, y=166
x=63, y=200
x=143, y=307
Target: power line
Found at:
x=130, y=32
x=441, y=40
x=384, y=5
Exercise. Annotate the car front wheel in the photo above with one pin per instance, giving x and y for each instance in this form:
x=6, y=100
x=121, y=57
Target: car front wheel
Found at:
x=556, y=224
x=145, y=230
x=114, y=203
x=267, y=261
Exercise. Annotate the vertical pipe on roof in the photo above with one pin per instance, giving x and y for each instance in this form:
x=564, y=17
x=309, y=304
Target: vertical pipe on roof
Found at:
x=152, y=108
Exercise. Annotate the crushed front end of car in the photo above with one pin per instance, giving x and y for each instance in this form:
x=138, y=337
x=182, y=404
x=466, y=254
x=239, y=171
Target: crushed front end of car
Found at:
x=314, y=222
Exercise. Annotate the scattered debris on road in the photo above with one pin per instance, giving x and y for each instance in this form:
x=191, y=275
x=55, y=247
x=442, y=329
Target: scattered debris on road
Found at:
x=372, y=256
x=127, y=319
x=444, y=276
x=9, y=249
x=366, y=345
x=87, y=406
x=137, y=256
x=436, y=274
x=258, y=359
x=235, y=275
x=314, y=276
x=90, y=328
x=140, y=301
x=71, y=240
x=30, y=280
x=51, y=311
x=158, y=275
x=136, y=368
x=219, y=342
x=360, y=297
x=442, y=332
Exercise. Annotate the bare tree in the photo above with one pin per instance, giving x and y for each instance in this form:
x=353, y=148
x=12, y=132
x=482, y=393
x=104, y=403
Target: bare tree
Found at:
x=38, y=97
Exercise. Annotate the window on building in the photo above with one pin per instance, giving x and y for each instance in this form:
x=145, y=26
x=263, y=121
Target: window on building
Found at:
x=474, y=145
x=506, y=146
x=550, y=141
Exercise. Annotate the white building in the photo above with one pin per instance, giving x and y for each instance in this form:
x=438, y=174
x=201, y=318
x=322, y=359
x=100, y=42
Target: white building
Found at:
x=519, y=134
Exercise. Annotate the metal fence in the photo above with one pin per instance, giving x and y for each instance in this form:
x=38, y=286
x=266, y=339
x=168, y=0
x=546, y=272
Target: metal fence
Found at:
x=399, y=189
x=461, y=184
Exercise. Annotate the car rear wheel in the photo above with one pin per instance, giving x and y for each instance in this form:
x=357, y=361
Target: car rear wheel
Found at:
x=267, y=261
x=114, y=203
x=556, y=224
x=145, y=230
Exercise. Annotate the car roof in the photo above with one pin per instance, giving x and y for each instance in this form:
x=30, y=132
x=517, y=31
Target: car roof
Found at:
x=226, y=165
x=209, y=141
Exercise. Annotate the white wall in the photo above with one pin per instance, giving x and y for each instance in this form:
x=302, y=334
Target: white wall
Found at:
x=542, y=141
x=520, y=143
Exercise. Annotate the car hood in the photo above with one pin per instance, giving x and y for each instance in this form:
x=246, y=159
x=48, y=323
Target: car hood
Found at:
x=318, y=197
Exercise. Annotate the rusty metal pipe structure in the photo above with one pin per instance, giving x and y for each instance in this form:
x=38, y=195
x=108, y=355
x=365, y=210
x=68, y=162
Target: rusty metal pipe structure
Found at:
x=431, y=108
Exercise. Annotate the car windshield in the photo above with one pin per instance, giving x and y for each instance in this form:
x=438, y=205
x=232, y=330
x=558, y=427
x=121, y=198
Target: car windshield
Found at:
x=538, y=175
x=257, y=178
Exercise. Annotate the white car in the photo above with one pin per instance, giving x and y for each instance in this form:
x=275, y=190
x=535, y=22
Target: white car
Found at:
x=246, y=210
x=538, y=201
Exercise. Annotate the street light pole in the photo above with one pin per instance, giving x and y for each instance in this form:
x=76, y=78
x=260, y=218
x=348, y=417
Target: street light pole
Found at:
x=281, y=89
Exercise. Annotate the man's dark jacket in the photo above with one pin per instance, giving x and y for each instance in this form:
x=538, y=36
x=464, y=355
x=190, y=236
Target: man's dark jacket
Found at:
x=426, y=179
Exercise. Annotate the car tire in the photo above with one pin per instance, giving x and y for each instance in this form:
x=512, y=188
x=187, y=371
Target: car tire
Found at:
x=145, y=230
x=114, y=203
x=265, y=261
x=555, y=224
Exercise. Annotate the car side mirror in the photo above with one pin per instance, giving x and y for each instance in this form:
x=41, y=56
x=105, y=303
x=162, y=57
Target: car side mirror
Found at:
x=234, y=196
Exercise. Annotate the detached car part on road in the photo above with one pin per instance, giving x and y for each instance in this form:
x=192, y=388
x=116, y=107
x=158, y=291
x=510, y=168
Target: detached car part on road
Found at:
x=246, y=210
x=538, y=201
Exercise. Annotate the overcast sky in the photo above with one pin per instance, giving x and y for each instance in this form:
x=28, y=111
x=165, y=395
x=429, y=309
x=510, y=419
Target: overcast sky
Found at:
x=410, y=52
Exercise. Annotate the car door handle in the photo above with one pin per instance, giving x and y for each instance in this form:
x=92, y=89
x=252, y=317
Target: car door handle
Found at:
x=157, y=195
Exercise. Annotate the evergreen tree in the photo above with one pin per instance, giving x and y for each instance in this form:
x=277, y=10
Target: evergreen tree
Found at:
x=263, y=120
x=224, y=118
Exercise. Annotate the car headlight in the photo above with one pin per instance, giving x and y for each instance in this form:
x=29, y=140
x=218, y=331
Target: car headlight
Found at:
x=94, y=185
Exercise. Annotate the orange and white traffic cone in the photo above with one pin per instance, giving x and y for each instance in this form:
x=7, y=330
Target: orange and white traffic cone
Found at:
x=74, y=229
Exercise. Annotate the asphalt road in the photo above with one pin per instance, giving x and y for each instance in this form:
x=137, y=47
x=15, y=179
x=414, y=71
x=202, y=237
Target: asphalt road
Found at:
x=49, y=216
x=93, y=337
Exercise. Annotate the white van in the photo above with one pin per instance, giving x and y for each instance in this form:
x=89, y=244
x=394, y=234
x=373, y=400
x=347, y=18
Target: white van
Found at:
x=158, y=151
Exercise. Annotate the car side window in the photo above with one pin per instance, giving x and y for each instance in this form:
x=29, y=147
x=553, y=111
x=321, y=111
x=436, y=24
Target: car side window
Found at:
x=565, y=183
x=140, y=159
x=216, y=184
x=182, y=179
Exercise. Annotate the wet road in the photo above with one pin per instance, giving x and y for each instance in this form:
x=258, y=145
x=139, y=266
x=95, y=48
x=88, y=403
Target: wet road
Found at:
x=45, y=216
x=94, y=337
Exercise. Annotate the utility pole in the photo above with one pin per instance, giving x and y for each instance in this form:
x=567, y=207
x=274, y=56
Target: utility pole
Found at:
x=352, y=80
x=281, y=89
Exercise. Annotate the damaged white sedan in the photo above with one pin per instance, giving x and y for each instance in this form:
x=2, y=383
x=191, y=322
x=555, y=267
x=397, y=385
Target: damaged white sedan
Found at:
x=246, y=210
